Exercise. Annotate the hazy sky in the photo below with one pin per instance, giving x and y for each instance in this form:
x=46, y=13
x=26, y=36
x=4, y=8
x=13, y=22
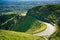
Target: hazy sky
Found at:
x=40, y=0
x=29, y=0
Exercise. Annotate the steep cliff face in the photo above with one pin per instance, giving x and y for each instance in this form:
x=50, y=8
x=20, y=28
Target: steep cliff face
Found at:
x=47, y=13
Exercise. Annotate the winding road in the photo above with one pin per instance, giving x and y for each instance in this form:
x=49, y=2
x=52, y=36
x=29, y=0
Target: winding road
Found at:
x=49, y=31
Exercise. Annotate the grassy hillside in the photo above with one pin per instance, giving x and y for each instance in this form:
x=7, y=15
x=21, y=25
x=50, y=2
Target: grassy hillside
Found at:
x=11, y=35
x=21, y=23
x=29, y=24
x=48, y=13
x=16, y=22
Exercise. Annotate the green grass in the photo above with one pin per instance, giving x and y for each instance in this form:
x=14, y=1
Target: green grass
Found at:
x=11, y=35
x=36, y=27
x=29, y=25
